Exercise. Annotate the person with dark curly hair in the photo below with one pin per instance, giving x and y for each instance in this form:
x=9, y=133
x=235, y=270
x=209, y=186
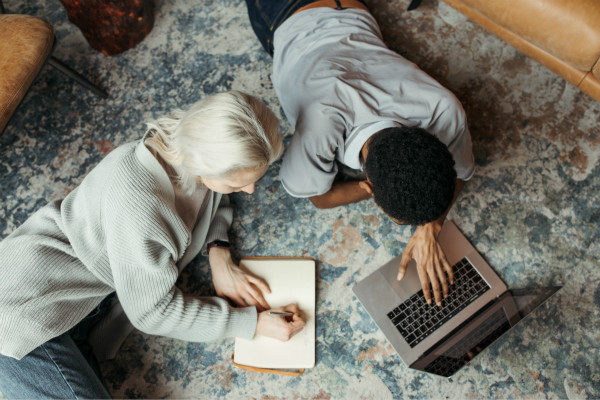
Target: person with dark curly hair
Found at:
x=356, y=104
x=410, y=175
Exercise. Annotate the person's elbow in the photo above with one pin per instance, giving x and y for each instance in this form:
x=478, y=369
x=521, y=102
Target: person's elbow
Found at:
x=320, y=201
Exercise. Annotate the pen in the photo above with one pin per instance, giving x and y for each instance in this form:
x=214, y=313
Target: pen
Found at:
x=282, y=313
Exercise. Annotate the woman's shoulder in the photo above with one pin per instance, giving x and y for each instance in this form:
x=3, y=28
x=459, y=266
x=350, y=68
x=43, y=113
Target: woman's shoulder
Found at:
x=121, y=177
x=114, y=160
x=128, y=164
x=113, y=165
x=120, y=152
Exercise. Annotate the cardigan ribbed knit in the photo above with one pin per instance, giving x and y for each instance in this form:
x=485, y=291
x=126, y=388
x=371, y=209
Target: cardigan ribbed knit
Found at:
x=118, y=231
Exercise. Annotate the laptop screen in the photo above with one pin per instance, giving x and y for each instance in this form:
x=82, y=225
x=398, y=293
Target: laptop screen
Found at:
x=477, y=333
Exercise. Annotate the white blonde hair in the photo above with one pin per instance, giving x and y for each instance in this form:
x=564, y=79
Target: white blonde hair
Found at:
x=217, y=136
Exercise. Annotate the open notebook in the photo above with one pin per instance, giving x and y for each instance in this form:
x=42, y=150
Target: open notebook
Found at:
x=292, y=280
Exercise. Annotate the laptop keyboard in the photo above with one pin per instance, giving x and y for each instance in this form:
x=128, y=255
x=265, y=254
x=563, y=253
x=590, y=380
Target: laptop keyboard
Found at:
x=415, y=319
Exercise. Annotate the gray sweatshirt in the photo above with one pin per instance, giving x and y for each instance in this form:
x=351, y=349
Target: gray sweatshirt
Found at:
x=118, y=231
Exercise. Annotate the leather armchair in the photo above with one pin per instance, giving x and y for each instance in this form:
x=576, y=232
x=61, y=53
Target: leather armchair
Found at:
x=26, y=45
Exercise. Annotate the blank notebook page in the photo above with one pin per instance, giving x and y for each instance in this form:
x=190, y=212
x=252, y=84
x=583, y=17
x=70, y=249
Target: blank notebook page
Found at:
x=291, y=281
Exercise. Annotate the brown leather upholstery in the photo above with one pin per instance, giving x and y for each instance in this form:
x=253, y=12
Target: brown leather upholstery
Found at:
x=563, y=35
x=25, y=44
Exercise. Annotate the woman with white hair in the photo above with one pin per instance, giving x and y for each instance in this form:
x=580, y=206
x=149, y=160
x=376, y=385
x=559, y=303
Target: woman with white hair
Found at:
x=106, y=258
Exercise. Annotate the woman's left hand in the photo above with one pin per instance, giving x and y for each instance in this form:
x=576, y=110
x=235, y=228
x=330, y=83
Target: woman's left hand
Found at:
x=232, y=282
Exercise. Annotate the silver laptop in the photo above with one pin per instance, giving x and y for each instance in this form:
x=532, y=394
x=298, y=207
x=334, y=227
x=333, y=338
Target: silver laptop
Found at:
x=478, y=310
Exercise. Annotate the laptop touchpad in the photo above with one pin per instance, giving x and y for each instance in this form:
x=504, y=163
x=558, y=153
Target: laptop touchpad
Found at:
x=406, y=287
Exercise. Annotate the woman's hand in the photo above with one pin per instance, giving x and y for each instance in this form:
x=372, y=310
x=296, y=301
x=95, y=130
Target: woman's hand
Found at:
x=232, y=282
x=278, y=327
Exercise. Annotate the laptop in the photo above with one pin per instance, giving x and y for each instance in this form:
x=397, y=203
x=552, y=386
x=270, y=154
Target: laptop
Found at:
x=478, y=310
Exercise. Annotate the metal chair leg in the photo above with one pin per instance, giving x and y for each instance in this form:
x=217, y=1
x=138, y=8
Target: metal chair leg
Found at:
x=59, y=65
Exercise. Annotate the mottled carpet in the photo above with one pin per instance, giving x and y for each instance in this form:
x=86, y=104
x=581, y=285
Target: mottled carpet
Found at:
x=532, y=208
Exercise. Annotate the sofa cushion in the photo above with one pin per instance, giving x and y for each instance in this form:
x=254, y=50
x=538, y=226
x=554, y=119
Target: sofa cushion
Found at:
x=567, y=29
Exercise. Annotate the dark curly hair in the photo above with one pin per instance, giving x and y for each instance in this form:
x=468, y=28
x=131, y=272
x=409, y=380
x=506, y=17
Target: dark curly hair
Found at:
x=412, y=174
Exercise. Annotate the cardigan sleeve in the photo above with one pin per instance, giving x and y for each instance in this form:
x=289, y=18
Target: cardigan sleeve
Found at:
x=144, y=239
x=221, y=221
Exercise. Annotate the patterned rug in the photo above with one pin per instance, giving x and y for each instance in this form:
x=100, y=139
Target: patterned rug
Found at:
x=532, y=208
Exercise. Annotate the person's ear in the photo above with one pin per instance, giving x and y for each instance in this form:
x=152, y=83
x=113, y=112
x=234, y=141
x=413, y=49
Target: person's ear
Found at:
x=366, y=186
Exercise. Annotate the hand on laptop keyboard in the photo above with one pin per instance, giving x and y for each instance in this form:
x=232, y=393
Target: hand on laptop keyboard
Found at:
x=416, y=320
x=432, y=266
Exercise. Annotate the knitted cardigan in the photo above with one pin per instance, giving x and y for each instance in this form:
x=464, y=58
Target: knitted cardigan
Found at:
x=118, y=231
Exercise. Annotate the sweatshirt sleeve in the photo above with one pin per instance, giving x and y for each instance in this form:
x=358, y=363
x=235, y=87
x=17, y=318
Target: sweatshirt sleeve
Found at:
x=144, y=239
x=221, y=221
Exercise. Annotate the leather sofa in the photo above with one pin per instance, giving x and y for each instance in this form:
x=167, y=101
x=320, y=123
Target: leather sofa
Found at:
x=563, y=35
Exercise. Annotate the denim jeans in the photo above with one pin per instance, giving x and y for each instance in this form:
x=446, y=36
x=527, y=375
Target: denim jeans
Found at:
x=62, y=368
x=267, y=15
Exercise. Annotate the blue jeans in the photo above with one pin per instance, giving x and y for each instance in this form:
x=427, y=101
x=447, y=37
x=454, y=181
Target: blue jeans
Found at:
x=62, y=368
x=267, y=15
